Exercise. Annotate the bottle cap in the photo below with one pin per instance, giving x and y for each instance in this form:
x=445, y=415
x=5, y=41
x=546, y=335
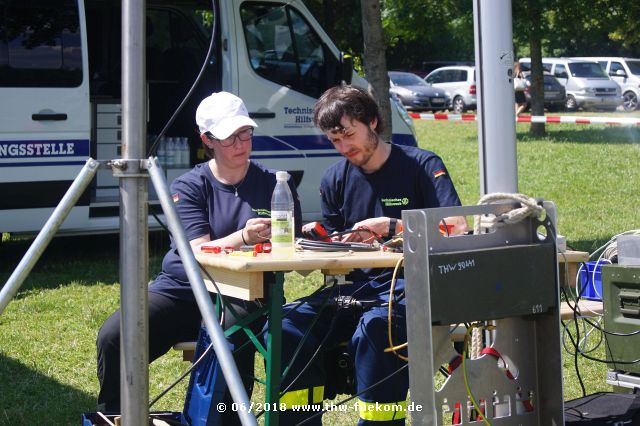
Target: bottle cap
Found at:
x=282, y=175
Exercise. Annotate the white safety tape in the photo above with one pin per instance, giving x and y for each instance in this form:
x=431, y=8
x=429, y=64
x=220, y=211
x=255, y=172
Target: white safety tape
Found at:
x=624, y=121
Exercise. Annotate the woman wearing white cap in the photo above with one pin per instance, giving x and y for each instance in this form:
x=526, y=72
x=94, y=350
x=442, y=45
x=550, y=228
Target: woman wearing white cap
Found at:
x=226, y=200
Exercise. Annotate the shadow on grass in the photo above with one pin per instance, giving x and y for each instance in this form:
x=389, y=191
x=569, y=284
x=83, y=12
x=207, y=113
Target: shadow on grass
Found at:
x=29, y=398
x=587, y=134
x=86, y=260
x=587, y=245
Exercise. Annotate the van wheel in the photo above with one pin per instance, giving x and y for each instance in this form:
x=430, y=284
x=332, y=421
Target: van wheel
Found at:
x=458, y=105
x=630, y=102
x=571, y=104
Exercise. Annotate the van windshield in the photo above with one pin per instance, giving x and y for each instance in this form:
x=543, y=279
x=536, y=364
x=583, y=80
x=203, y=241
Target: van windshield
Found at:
x=587, y=70
x=634, y=67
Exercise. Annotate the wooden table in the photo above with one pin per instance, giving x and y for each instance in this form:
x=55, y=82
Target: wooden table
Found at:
x=241, y=275
x=568, y=263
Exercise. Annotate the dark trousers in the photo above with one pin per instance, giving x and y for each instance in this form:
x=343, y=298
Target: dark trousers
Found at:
x=366, y=335
x=170, y=321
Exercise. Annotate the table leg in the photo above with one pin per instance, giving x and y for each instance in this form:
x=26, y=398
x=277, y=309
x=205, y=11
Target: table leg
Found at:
x=274, y=346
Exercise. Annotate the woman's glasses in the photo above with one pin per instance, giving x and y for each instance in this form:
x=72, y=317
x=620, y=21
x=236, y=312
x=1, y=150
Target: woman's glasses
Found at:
x=243, y=135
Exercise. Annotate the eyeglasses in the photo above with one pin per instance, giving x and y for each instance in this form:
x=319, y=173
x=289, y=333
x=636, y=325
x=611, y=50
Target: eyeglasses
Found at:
x=243, y=135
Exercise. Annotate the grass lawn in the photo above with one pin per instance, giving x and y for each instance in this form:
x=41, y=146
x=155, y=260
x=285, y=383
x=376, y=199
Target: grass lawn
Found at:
x=47, y=334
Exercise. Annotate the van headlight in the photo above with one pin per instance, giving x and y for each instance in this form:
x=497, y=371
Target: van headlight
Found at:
x=589, y=91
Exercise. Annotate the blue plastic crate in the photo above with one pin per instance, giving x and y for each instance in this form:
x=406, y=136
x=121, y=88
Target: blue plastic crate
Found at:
x=591, y=280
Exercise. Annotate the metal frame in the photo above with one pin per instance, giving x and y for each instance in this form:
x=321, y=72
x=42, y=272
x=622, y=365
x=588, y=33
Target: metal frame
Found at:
x=529, y=333
x=134, y=387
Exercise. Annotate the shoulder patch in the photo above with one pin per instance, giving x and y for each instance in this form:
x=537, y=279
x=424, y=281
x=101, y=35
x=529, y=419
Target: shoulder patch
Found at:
x=175, y=197
x=439, y=173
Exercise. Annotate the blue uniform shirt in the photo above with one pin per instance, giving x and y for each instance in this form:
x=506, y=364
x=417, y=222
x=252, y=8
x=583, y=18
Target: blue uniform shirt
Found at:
x=208, y=207
x=411, y=178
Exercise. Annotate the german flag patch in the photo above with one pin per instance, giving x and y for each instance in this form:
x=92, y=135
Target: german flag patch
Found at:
x=439, y=173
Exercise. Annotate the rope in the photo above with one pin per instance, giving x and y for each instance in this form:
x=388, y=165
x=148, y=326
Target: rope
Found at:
x=529, y=207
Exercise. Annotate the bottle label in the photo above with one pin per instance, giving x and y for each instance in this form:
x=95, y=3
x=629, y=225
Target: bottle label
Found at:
x=281, y=227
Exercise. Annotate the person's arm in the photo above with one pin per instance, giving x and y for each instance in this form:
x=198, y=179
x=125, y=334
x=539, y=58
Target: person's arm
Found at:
x=192, y=206
x=256, y=230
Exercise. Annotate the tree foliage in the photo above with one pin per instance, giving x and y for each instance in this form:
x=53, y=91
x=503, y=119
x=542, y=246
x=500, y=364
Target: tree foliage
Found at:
x=419, y=32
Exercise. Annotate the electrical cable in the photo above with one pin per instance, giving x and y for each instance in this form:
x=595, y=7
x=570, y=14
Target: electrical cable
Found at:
x=308, y=364
x=182, y=376
x=464, y=376
x=303, y=340
x=392, y=347
x=379, y=382
x=153, y=147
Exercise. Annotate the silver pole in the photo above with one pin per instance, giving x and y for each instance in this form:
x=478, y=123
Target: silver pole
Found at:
x=220, y=344
x=134, y=244
x=496, y=113
x=47, y=233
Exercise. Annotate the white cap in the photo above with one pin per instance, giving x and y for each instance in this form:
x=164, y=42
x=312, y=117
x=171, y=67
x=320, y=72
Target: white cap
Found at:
x=282, y=175
x=221, y=114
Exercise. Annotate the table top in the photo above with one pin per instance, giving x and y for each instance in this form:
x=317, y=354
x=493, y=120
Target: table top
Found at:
x=573, y=256
x=310, y=260
x=301, y=261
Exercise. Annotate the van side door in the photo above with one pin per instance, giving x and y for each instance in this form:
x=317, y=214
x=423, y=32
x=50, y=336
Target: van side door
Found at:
x=284, y=63
x=44, y=109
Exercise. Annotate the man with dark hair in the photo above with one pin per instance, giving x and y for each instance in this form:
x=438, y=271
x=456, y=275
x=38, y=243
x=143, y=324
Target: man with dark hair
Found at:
x=365, y=192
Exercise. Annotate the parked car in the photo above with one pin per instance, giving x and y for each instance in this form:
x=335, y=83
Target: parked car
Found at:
x=625, y=72
x=459, y=82
x=586, y=83
x=554, y=93
x=415, y=94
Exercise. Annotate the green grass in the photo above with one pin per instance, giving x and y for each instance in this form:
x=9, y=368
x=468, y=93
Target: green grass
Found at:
x=47, y=334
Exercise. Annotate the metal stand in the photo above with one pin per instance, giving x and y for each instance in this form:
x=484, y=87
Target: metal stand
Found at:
x=10, y=288
x=507, y=279
x=138, y=375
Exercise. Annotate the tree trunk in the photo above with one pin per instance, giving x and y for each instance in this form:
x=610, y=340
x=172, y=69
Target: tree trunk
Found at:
x=537, y=79
x=374, y=61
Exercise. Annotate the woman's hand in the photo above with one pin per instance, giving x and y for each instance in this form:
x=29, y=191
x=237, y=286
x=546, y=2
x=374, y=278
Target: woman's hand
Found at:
x=257, y=230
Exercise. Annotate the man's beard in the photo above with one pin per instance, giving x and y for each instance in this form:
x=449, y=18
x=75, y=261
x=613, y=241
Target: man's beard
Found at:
x=368, y=150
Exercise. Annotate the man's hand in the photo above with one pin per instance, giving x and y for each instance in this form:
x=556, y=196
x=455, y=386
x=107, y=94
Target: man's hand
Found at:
x=378, y=225
x=457, y=225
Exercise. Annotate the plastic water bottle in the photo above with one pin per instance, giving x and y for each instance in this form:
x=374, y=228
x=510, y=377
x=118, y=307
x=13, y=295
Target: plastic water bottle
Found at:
x=162, y=152
x=186, y=154
x=171, y=153
x=282, y=219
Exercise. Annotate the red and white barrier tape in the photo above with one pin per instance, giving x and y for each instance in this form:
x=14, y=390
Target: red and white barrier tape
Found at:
x=625, y=121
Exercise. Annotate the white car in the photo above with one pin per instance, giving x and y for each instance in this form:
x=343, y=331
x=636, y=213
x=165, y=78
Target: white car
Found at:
x=459, y=81
x=625, y=72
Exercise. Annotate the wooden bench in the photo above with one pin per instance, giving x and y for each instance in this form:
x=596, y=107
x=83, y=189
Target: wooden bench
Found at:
x=188, y=350
x=586, y=308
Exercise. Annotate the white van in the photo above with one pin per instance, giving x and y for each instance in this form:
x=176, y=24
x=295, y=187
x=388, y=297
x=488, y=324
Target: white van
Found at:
x=586, y=83
x=60, y=90
x=625, y=72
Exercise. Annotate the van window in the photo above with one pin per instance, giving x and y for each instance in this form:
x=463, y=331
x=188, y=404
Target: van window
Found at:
x=436, y=77
x=615, y=66
x=587, y=70
x=560, y=71
x=40, y=44
x=283, y=48
x=634, y=67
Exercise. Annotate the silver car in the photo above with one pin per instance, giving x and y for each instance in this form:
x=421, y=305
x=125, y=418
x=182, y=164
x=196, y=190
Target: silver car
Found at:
x=459, y=82
x=415, y=94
